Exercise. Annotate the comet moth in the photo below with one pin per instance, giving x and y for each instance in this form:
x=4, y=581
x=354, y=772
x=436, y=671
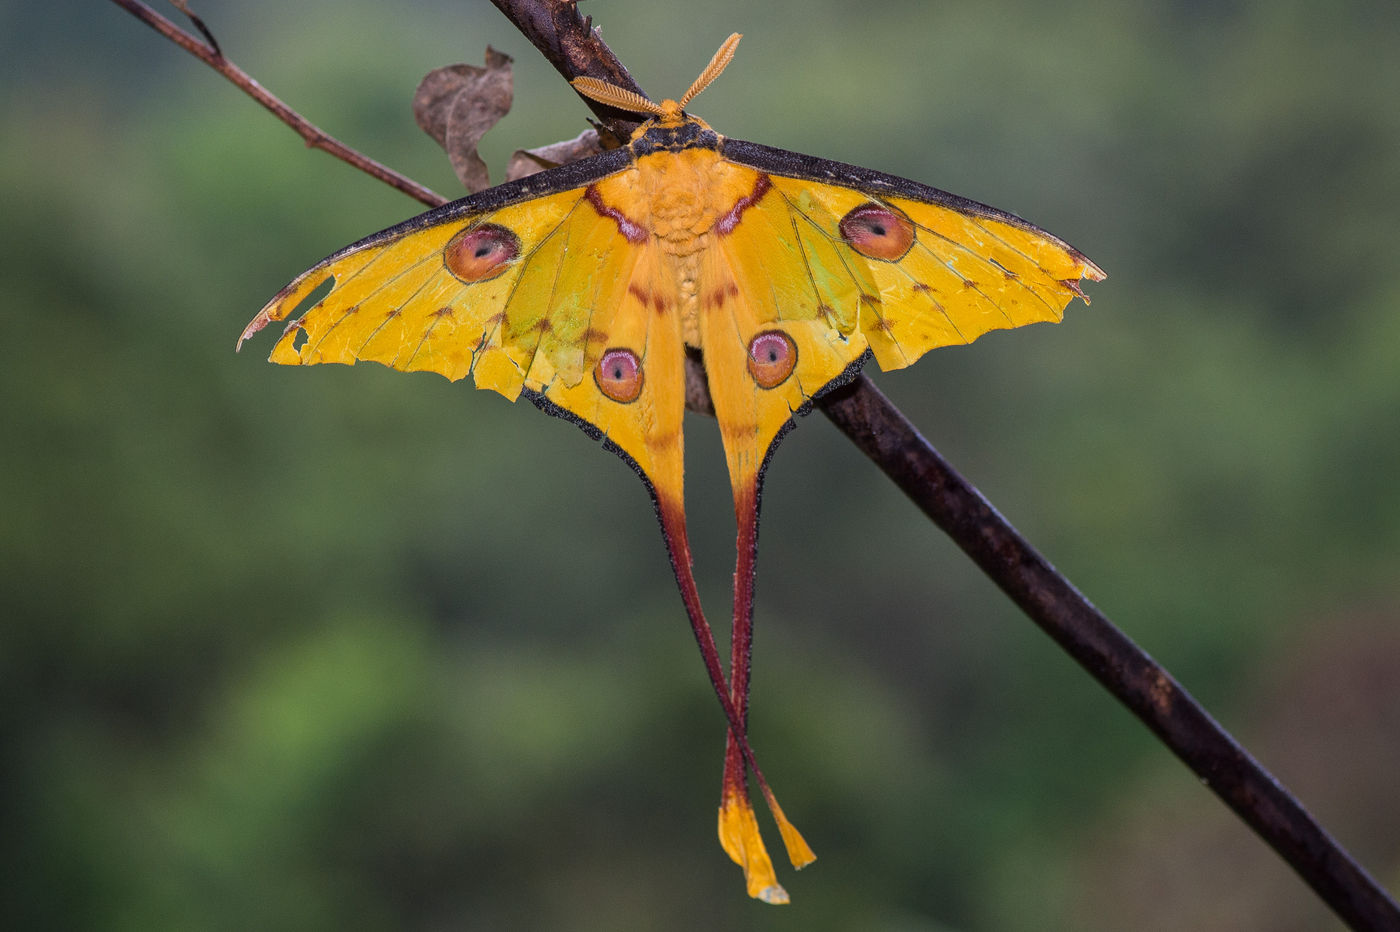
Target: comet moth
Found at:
x=582, y=289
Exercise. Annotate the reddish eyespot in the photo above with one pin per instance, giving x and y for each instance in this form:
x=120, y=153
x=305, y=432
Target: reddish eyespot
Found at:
x=480, y=253
x=878, y=232
x=772, y=357
x=619, y=375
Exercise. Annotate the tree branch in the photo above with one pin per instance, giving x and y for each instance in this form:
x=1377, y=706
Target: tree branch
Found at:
x=877, y=427
x=314, y=136
x=568, y=41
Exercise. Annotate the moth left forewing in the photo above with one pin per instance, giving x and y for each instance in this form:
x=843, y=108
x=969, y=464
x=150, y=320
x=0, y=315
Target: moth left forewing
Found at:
x=435, y=293
x=397, y=300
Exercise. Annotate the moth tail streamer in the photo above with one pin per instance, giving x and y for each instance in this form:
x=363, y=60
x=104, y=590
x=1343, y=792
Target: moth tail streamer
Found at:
x=740, y=838
x=738, y=824
x=799, y=853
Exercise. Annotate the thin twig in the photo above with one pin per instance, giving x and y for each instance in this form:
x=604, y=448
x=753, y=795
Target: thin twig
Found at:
x=314, y=136
x=184, y=7
x=876, y=427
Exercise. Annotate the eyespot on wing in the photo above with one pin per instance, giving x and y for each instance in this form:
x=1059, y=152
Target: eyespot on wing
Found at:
x=878, y=232
x=772, y=357
x=481, y=252
x=619, y=375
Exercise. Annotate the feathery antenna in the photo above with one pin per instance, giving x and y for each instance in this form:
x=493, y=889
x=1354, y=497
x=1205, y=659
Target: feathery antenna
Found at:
x=615, y=96
x=713, y=70
x=623, y=99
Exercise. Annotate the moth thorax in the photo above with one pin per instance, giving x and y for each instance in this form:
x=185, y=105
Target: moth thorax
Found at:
x=679, y=217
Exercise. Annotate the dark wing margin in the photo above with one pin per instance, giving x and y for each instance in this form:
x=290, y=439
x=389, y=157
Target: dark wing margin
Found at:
x=551, y=181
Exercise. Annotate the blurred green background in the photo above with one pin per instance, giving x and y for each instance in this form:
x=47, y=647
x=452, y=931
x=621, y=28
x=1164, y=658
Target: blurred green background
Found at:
x=345, y=648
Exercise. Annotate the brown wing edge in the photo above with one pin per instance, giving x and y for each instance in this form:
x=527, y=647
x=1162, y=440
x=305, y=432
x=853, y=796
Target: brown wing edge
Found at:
x=878, y=184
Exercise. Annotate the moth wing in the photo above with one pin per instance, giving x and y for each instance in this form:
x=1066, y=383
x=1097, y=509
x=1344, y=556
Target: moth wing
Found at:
x=479, y=286
x=945, y=269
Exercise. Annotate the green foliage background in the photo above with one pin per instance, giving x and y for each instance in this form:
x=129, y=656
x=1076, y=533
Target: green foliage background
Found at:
x=343, y=648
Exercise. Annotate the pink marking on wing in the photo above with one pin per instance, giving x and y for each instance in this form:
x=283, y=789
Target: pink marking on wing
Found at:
x=730, y=220
x=629, y=228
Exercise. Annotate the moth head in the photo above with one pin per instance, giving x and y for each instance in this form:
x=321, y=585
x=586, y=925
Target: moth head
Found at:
x=668, y=112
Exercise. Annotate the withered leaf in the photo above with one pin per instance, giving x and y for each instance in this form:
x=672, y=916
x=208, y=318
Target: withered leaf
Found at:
x=528, y=161
x=457, y=104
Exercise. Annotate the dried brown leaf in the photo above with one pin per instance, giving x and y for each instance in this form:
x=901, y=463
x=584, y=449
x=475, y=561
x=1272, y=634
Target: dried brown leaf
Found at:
x=528, y=161
x=457, y=104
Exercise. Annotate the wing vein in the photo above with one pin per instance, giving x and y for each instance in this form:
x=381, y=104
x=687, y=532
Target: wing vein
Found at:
x=509, y=300
x=855, y=279
x=992, y=264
